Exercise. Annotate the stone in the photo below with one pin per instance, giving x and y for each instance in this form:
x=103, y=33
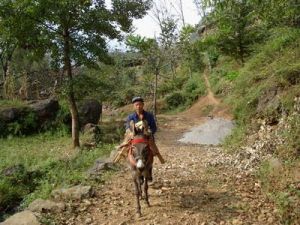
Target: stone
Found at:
x=89, y=112
x=275, y=165
x=45, y=110
x=91, y=135
x=74, y=193
x=100, y=166
x=41, y=205
x=23, y=218
x=10, y=114
x=13, y=170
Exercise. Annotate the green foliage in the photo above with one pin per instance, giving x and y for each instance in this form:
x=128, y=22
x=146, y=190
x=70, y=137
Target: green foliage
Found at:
x=40, y=170
x=278, y=12
x=195, y=59
x=175, y=99
x=279, y=184
x=238, y=28
x=25, y=124
x=277, y=57
x=169, y=86
x=11, y=103
x=139, y=43
x=112, y=131
x=187, y=92
x=292, y=136
x=193, y=89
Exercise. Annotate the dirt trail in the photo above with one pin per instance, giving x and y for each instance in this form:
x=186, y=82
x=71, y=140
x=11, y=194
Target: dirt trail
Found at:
x=185, y=189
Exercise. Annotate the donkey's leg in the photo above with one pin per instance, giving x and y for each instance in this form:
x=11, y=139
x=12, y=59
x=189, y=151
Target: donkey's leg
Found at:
x=141, y=181
x=146, y=191
x=137, y=194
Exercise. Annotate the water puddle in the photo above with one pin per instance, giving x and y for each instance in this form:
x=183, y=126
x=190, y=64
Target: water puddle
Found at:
x=212, y=132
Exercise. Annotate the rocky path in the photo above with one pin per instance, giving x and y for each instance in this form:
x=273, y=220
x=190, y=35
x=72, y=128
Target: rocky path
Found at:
x=187, y=190
x=192, y=188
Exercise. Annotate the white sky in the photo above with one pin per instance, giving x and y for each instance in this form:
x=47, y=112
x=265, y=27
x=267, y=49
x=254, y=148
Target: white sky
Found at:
x=148, y=27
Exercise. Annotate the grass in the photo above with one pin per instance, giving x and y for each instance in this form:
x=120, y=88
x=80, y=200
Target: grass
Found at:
x=11, y=103
x=34, y=151
x=280, y=186
x=45, y=162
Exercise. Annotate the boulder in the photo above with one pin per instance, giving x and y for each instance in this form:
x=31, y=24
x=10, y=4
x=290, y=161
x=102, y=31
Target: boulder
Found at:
x=45, y=110
x=23, y=218
x=27, y=119
x=9, y=115
x=91, y=135
x=101, y=166
x=89, y=112
x=74, y=193
x=41, y=205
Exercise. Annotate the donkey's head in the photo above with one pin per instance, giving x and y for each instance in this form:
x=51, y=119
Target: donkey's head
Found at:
x=140, y=153
x=140, y=128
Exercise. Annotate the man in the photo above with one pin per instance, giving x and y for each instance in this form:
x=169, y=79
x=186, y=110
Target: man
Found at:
x=139, y=115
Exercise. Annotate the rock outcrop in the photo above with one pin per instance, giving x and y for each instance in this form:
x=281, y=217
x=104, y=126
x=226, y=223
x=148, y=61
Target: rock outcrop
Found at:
x=89, y=112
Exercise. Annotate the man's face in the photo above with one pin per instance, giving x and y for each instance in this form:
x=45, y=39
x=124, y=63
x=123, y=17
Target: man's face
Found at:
x=138, y=106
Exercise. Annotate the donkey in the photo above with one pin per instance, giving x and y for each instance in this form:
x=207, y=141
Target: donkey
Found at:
x=140, y=159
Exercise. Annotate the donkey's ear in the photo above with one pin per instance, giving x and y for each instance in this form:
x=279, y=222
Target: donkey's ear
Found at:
x=146, y=127
x=132, y=127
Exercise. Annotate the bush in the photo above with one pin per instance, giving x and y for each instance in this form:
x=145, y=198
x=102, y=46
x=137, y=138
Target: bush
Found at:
x=175, y=99
x=25, y=124
x=169, y=86
x=16, y=184
x=193, y=89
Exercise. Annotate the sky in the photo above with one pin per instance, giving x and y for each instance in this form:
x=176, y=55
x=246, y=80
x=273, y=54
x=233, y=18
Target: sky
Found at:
x=148, y=27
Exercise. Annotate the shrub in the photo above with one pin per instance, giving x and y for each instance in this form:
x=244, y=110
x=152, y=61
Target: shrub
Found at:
x=175, y=99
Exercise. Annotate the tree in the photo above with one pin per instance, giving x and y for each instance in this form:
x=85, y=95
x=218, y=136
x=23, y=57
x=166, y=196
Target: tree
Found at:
x=237, y=27
x=75, y=33
x=202, y=7
x=13, y=29
x=278, y=12
x=168, y=36
x=153, y=55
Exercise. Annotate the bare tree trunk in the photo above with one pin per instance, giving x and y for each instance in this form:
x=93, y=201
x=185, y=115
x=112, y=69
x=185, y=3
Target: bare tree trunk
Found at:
x=4, y=69
x=5, y=73
x=181, y=12
x=155, y=93
x=71, y=98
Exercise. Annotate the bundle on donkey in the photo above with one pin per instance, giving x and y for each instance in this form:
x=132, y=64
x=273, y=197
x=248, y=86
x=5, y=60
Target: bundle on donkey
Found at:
x=142, y=127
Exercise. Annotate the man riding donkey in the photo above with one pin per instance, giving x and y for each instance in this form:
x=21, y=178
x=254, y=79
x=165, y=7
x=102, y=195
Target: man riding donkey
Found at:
x=137, y=118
